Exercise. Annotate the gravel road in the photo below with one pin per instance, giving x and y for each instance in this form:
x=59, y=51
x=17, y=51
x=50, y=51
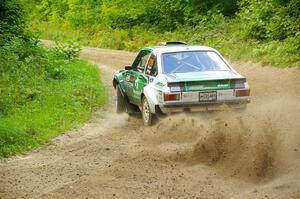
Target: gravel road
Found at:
x=207, y=156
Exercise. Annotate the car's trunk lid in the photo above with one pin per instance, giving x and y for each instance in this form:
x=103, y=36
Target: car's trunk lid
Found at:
x=209, y=80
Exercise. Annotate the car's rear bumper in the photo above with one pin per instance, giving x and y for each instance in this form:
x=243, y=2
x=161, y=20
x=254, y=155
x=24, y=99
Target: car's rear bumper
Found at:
x=204, y=106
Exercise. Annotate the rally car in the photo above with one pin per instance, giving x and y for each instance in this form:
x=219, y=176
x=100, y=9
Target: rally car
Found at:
x=176, y=77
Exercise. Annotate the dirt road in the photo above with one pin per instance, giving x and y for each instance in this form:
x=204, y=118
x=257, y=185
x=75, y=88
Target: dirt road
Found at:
x=220, y=155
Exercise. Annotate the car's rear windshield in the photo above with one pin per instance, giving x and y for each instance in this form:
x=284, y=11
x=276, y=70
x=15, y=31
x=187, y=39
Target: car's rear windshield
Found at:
x=192, y=61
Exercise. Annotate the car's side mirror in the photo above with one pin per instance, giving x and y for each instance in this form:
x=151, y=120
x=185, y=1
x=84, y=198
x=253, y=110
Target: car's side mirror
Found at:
x=128, y=67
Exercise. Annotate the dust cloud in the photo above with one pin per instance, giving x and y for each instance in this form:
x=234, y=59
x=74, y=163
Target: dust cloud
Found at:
x=256, y=145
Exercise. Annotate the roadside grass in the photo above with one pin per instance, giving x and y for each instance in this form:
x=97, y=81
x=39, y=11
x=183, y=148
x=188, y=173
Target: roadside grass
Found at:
x=60, y=105
x=222, y=35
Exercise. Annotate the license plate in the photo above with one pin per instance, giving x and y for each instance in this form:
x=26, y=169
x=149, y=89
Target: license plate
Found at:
x=207, y=96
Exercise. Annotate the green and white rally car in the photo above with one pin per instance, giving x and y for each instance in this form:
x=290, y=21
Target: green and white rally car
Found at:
x=175, y=77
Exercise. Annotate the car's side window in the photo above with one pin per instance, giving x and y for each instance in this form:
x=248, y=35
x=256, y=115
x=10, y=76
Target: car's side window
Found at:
x=151, y=68
x=141, y=61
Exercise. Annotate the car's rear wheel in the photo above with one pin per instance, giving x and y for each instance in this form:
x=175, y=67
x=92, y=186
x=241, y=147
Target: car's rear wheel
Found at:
x=146, y=113
x=120, y=103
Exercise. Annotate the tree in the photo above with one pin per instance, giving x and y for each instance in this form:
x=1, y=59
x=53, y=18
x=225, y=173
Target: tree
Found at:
x=11, y=20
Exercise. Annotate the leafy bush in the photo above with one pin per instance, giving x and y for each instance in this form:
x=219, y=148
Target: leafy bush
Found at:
x=11, y=20
x=270, y=19
x=43, y=92
x=68, y=51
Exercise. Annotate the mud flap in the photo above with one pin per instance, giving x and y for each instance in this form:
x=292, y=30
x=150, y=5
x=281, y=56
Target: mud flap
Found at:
x=131, y=109
x=159, y=114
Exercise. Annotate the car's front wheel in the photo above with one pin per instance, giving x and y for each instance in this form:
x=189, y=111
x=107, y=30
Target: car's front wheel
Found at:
x=146, y=113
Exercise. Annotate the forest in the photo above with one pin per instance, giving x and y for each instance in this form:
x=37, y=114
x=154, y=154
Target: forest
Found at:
x=252, y=30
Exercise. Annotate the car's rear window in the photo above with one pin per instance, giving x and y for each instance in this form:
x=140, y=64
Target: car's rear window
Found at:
x=192, y=61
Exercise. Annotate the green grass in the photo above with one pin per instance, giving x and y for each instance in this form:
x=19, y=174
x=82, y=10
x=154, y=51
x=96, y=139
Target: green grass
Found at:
x=220, y=34
x=60, y=105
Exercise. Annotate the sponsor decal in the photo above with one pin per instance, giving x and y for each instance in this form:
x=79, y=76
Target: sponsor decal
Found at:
x=151, y=79
x=159, y=84
x=222, y=85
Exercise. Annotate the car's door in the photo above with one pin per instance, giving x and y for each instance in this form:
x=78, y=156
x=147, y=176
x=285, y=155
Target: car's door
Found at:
x=136, y=79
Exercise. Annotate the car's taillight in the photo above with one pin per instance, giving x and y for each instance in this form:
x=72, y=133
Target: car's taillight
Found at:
x=171, y=97
x=242, y=93
x=238, y=83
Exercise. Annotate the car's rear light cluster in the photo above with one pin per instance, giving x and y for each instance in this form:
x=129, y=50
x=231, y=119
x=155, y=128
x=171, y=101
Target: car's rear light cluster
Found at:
x=242, y=92
x=238, y=83
x=171, y=97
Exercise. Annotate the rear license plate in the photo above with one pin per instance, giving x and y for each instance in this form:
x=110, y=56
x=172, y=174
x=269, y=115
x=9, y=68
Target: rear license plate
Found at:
x=207, y=96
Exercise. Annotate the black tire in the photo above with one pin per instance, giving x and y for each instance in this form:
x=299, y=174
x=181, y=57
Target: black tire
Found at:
x=146, y=113
x=120, y=104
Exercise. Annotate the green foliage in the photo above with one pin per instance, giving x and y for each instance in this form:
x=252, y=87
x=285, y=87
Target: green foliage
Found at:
x=270, y=19
x=116, y=14
x=69, y=51
x=58, y=105
x=43, y=92
x=54, y=10
x=274, y=19
x=82, y=13
x=74, y=13
x=11, y=20
x=166, y=15
x=246, y=29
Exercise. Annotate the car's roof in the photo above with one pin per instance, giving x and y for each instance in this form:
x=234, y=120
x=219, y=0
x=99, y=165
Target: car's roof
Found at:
x=177, y=48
